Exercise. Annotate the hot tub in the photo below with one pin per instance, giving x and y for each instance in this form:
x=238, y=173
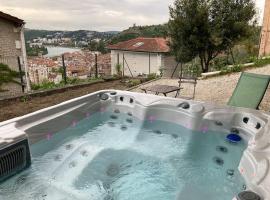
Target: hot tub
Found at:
x=118, y=145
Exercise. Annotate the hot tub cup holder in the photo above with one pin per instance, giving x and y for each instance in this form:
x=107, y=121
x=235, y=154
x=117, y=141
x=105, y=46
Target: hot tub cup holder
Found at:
x=234, y=130
x=233, y=138
x=116, y=111
x=218, y=123
x=184, y=105
x=104, y=97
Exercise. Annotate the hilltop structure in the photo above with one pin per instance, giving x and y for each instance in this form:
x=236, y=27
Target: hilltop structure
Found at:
x=265, y=35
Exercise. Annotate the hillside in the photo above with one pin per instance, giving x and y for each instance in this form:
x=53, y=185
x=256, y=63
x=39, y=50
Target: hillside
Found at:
x=140, y=31
x=31, y=34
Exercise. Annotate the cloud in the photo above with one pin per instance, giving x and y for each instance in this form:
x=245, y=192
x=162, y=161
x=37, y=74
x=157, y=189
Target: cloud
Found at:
x=102, y=15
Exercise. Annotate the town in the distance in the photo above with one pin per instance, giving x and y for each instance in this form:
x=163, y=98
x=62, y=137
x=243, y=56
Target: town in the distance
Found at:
x=82, y=52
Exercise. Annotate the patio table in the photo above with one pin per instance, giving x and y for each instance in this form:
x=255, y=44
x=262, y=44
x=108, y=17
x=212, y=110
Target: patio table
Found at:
x=163, y=89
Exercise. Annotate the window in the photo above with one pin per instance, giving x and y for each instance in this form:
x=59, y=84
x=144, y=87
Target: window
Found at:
x=138, y=44
x=18, y=44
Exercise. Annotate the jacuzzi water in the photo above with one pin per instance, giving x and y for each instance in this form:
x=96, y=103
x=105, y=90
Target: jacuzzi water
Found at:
x=114, y=156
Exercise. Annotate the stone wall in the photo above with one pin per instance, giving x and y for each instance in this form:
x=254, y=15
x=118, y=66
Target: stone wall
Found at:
x=9, y=36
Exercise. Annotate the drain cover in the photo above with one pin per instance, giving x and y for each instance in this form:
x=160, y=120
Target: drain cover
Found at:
x=248, y=195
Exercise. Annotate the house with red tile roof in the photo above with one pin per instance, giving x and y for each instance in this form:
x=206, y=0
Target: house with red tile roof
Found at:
x=141, y=56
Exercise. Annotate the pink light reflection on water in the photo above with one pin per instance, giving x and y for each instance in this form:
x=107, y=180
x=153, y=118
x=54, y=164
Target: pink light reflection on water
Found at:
x=204, y=129
x=151, y=118
x=49, y=136
x=74, y=123
x=102, y=109
x=87, y=115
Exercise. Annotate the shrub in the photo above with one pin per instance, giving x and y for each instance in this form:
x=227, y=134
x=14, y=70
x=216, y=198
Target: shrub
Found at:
x=133, y=82
x=151, y=76
x=262, y=62
x=118, y=68
x=235, y=68
x=8, y=75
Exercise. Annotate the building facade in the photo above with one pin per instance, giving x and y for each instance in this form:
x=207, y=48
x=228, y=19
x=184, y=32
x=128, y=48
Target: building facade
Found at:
x=142, y=56
x=265, y=35
x=12, y=48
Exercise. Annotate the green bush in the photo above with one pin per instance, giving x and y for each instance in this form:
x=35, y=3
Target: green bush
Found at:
x=133, y=82
x=151, y=76
x=219, y=63
x=8, y=75
x=262, y=62
x=228, y=70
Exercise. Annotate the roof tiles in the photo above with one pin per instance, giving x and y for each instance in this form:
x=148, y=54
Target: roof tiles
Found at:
x=155, y=45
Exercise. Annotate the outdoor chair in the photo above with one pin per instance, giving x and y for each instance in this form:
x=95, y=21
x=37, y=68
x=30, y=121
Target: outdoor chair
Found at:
x=188, y=80
x=250, y=90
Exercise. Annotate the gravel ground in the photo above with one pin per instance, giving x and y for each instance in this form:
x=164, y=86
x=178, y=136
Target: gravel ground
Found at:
x=216, y=90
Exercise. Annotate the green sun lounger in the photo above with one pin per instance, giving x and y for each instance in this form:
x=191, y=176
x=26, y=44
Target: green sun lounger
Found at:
x=250, y=90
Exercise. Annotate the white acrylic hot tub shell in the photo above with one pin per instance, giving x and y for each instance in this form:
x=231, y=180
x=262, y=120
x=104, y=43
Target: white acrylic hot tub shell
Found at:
x=254, y=164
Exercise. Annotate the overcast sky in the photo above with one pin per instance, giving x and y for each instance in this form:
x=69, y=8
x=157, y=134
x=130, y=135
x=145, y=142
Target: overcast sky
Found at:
x=101, y=15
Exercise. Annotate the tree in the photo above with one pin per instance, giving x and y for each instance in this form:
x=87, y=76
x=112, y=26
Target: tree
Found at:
x=205, y=28
x=7, y=75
